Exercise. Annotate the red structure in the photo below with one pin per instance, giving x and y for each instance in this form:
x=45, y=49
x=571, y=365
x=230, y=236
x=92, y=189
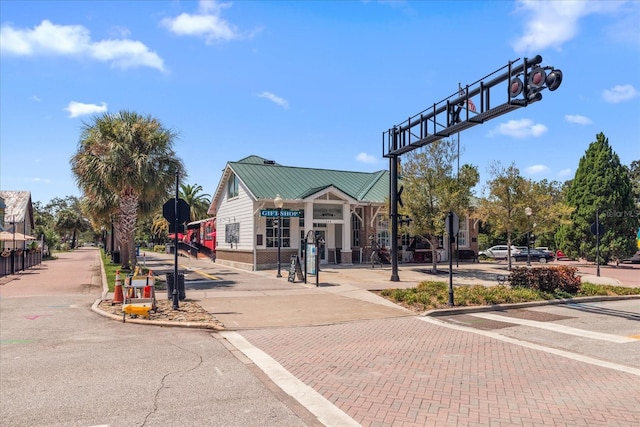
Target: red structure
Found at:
x=202, y=235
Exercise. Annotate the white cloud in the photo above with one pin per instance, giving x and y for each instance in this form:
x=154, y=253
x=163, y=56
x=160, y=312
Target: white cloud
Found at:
x=77, y=109
x=274, y=98
x=552, y=23
x=366, y=158
x=536, y=169
x=206, y=23
x=34, y=98
x=38, y=180
x=522, y=128
x=577, y=119
x=619, y=93
x=565, y=173
x=75, y=40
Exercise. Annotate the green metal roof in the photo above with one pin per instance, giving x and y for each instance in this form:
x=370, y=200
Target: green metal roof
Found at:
x=265, y=179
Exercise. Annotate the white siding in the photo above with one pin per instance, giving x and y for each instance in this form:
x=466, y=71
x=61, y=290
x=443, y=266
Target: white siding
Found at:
x=238, y=210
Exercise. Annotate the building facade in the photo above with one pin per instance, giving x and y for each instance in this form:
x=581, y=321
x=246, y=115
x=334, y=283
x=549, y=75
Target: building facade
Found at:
x=344, y=209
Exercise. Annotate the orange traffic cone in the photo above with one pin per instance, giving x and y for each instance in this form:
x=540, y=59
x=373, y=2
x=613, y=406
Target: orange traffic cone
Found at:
x=146, y=291
x=118, y=297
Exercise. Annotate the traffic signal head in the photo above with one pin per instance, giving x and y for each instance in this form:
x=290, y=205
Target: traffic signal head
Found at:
x=537, y=78
x=515, y=87
x=553, y=80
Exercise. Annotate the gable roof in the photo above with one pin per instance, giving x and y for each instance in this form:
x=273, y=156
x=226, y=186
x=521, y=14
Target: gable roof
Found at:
x=18, y=207
x=264, y=179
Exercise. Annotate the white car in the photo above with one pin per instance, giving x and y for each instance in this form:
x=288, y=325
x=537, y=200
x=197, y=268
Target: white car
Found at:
x=498, y=252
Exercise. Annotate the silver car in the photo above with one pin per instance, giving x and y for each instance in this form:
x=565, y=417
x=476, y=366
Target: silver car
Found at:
x=498, y=252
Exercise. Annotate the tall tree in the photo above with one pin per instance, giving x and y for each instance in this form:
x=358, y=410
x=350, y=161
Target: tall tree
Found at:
x=432, y=189
x=504, y=205
x=198, y=202
x=601, y=186
x=124, y=159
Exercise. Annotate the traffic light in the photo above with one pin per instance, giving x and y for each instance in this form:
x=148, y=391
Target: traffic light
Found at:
x=515, y=87
x=535, y=81
x=553, y=80
x=537, y=78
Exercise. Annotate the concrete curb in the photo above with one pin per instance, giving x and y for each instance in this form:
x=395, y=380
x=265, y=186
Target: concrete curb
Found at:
x=164, y=323
x=497, y=307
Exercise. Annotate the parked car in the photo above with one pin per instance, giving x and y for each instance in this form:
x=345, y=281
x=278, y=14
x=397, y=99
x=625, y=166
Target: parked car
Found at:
x=545, y=249
x=534, y=255
x=635, y=259
x=497, y=252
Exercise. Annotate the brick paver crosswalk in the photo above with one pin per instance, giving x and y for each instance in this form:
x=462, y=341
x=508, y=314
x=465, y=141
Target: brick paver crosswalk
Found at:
x=406, y=372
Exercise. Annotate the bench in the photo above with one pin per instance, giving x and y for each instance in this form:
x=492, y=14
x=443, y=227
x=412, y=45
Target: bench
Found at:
x=502, y=279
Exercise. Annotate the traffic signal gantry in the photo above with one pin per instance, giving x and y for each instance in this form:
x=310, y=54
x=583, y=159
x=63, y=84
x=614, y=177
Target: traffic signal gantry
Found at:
x=517, y=87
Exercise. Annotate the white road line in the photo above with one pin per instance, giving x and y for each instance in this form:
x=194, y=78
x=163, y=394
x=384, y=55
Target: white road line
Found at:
x=327, y=413
x=556, y=328
x=562, y=353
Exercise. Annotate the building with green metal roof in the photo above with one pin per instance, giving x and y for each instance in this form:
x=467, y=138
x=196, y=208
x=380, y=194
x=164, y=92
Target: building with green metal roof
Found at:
x=344, y=210
x=341, y=208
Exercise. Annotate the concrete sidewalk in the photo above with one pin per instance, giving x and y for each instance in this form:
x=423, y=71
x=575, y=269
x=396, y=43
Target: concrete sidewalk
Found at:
x=246, y=300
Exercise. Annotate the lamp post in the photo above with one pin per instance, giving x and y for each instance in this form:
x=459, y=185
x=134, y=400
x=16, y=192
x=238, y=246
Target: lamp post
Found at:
x=528, y=212
x=278, y=202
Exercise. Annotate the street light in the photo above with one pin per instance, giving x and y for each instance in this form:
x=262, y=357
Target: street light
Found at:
x=528, y=212
x=278, y=202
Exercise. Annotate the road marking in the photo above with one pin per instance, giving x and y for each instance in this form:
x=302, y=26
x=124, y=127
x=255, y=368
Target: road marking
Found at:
x=327, y=413
x=556, y=328
x=562, y=353
x=202, y=273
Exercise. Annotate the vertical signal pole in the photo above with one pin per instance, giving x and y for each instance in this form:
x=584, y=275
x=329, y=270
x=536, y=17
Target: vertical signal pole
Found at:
x=598, y=241
x=393, y=167
x=175, y=245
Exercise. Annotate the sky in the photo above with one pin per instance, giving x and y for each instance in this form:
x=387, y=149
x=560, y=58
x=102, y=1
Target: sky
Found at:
x=308, y=83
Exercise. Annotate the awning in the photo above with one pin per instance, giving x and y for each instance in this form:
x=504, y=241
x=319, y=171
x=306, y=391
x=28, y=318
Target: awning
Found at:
x=8, y=236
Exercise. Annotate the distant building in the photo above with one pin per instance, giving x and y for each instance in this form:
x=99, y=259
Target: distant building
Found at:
x=344, y=208
x=17, y=216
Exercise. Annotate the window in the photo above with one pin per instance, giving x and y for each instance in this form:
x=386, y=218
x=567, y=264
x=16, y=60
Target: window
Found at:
x=272, y=232
x=463, y=233
x=356, y=227
x=232, y=186
x=383, y=236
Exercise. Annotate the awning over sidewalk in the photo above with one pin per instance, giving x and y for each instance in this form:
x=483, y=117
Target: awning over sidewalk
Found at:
x=8, y=236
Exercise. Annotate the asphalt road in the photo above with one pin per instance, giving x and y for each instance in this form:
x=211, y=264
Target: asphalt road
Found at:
x=63, y=365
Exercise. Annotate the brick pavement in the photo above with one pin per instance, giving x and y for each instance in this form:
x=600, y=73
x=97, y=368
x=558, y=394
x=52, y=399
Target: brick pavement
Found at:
x=406, y=372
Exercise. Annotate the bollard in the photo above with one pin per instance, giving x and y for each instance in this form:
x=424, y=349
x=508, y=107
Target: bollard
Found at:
x=118, y=297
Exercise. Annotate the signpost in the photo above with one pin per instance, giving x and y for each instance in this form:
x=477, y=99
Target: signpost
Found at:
x=453, y=226
x=597, y=230
x=177, y=212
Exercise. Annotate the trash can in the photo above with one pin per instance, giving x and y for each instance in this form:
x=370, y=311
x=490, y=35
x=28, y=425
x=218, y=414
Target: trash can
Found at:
x=115, y=255
x=137, y=250
x=170, y=281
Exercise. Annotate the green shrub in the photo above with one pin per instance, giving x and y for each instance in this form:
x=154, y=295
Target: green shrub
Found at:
x=159, y=248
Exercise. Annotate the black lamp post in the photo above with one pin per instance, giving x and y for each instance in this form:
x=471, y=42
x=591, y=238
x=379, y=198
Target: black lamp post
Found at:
x=278, y=202
x=528, y=212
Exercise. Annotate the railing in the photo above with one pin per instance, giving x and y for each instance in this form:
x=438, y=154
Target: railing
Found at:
x=18, y=260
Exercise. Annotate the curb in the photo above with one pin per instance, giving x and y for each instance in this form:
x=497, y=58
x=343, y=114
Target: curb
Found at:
x=498, y=307
x=193, y=325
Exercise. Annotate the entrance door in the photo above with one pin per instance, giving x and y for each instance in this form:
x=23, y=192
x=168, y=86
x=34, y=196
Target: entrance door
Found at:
x=321, y=232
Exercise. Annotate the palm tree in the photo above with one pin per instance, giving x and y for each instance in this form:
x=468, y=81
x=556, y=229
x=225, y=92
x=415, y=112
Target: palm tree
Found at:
x=199, y=203
x=125, y=160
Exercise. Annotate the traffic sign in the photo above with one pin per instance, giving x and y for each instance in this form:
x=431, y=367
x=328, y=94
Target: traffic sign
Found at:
x=168, y=211
x=597, y=229
x=456, y=224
